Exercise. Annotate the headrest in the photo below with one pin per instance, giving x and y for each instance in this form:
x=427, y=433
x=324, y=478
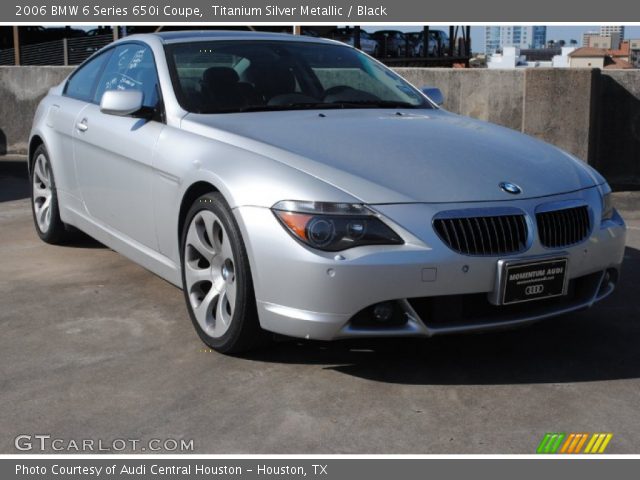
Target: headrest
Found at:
x=220, y=75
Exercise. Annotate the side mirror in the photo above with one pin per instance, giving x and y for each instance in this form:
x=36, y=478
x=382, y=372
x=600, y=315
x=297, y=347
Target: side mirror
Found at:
x=434, y=94
x=121, y=102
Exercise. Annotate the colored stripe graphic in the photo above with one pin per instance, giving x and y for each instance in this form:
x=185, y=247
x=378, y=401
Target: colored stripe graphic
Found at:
x=569, y=443
x=598, y=443
x=582, y=442
x=551, y=442
x=572, y=443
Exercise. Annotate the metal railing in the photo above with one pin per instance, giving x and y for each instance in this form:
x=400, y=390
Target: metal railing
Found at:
x=7, y=57
x=79, y=49
x=66, y=51
x=73, y=51
x=46, y=53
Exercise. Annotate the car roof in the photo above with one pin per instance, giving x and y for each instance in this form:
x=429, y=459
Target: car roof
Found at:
x=204, y=35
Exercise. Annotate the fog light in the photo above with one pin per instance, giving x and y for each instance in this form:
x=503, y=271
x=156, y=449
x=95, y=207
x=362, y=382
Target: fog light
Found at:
x=611, y=276
x=380, y=316
x=609, y=280
x=383, y=312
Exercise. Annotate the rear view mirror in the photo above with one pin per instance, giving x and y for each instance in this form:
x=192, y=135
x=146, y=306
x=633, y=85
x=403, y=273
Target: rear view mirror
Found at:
x=434, y=94
x=121, y=102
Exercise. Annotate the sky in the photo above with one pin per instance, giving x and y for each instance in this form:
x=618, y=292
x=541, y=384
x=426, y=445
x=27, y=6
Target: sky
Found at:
x=556, y=33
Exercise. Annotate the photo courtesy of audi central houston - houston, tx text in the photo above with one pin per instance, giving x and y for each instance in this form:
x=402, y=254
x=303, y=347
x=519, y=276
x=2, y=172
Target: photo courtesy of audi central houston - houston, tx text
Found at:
x=246, y=238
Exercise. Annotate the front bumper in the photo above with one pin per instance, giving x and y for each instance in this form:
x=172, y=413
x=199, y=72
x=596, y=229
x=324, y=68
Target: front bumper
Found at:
x=301, y=292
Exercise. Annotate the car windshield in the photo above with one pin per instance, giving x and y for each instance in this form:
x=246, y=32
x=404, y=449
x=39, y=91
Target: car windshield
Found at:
x=242, y=76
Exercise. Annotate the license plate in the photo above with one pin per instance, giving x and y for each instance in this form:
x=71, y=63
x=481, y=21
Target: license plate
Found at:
x=524, y=282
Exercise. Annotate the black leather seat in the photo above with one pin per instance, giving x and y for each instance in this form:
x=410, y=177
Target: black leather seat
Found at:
x=271, y=81
x=222, y=89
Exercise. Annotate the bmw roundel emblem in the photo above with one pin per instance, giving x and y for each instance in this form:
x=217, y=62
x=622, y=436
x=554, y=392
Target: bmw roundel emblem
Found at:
x=510, y=188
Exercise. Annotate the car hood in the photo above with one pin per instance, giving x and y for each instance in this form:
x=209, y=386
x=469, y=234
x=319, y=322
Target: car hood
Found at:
x=386, y=156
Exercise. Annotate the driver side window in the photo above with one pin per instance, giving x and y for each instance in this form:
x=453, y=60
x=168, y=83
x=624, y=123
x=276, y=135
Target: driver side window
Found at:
x=131, y=67
x=82, y=82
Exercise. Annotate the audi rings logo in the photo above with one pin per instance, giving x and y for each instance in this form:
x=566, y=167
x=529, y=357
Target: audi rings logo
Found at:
x=534, y=289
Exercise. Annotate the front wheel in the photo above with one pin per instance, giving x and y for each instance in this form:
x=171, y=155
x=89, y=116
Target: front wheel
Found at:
x=216, y=278
x=44, y=200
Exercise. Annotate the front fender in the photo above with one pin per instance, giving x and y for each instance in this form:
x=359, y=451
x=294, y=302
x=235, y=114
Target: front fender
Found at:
x=244, y=178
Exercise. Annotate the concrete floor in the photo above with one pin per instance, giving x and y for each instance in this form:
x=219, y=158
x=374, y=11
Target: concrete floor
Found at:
x=93, y=346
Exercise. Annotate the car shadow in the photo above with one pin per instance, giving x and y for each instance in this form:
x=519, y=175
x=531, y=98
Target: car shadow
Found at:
x=14, y=185
x=80, y=239
x=594, y=345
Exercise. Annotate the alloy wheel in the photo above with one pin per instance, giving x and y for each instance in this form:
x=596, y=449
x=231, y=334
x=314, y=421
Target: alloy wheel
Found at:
x=42, y=192
x=209, y=272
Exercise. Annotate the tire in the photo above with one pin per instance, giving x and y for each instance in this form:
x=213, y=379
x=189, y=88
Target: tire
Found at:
x=216, y=278
x=44, y=200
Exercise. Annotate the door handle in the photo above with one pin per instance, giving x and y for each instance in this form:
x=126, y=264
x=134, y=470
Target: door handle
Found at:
x=82, y=126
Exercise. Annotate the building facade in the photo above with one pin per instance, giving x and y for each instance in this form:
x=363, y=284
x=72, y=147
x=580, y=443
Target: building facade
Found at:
x=634, y=52
x=498, y=37
x=608, y=30
x=611, y=41
x=587, y=36
x=587, y=57
x=609, y=36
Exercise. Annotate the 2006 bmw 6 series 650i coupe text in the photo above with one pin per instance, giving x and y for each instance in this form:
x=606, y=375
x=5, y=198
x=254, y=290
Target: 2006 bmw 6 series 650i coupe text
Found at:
x=295, y=185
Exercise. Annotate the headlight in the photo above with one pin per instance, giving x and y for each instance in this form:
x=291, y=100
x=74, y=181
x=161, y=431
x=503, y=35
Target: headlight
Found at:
x=607, y=205
x=334, y=226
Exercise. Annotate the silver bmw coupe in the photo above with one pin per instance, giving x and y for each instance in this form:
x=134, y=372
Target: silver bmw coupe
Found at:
x=295, y=185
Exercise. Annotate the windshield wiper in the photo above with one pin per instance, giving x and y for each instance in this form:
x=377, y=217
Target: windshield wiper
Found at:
x=318, y=106
x=374, y=104
x=275, y=108
x=289, y=106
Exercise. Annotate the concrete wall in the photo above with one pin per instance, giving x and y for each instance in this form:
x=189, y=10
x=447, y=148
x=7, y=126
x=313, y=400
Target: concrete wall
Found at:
x=21, y=88
x=617, y=126
x=492, y=95
x=558, y=108
x=594, y=115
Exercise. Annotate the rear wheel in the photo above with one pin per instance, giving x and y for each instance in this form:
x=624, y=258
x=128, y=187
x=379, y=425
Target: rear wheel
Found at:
x=216, y=278
x=44, y=200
